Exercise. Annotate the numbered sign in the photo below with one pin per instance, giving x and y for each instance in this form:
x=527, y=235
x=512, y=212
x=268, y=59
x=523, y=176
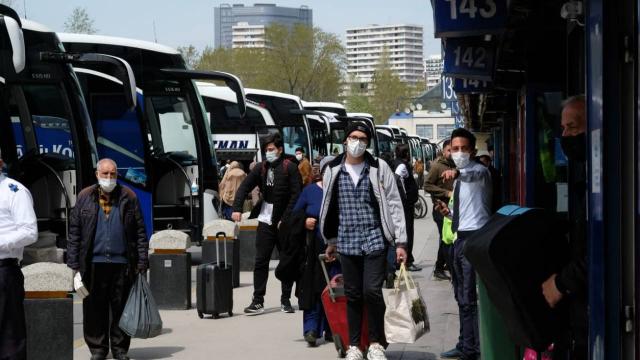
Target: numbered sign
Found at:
x=448, y=93
x=469, y=59
x=456, y=112
x=470, y=86
x=456, y=18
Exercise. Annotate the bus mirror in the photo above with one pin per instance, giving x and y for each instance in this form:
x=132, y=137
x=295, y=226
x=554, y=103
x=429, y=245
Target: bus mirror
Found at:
x=14, y=31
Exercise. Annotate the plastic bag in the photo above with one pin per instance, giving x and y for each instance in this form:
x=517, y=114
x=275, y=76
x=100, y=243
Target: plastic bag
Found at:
x=406, y=318
x=141, y=318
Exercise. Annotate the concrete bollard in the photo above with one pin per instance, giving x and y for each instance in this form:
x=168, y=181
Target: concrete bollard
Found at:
x=230, y=229
x=48, y=308
x=247, y=243
x=170, y=270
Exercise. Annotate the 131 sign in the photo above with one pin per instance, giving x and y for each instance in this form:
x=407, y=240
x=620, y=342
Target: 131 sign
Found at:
x=455, y=18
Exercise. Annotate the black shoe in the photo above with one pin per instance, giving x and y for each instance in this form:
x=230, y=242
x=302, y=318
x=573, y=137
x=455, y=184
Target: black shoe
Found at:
x=328, y=337
x=413, y=267
x=310, y=337
x=286, y=307
x=254, y=309
x=451, y=354
x=441, y=275
x=389, y=283
x=98, y=357
x=121, y=356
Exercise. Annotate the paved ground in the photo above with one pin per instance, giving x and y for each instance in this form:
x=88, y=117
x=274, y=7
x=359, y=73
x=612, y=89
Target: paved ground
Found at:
x=275, y=335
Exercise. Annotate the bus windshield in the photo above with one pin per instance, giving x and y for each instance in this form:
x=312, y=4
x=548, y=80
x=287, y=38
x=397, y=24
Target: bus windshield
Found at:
x=173, y=121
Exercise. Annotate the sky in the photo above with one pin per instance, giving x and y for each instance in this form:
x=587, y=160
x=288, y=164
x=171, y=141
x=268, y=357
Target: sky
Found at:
x=186, y=22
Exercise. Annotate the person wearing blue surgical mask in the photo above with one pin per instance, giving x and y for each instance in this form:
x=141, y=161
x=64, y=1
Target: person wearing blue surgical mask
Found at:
x=280, y=184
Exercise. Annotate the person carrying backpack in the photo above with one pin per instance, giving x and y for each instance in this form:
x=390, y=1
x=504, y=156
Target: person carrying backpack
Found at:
x=402, y=168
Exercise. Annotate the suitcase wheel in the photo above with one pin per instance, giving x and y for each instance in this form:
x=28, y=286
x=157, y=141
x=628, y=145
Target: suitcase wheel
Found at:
x=230, y=313
x=342, y=352
x=216, y=315
x=200, y=314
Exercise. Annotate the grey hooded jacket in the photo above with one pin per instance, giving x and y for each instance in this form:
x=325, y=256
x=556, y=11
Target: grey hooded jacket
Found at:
x=384, y=190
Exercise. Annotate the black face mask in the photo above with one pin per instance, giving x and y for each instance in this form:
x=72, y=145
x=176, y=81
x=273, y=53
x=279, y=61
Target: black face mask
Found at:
x=574, y=147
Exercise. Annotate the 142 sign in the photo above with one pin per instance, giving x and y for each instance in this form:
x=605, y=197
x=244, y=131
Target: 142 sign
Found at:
x=469, y=59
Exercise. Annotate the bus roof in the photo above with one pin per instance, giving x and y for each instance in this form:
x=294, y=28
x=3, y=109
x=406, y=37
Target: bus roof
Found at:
x=34, y=26
x=118, y=41
x=249, y=91
x=207, y=89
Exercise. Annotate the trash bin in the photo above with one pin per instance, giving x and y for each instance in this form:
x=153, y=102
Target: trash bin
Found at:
x=495, y=342
x=170, y=270
x=230, y=229
x=48, y=305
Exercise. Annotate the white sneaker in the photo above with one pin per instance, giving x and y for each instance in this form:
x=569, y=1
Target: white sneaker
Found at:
x=376, y=352
x=353, y=353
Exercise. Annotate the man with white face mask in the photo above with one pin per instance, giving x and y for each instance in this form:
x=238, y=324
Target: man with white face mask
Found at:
x=279, y=181
x=472, y=193
x=108, y=247
x=304, y=166
x=361, y=216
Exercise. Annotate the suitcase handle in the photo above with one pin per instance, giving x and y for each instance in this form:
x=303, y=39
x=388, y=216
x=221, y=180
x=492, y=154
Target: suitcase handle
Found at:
x=224, y=240
x=323, y=265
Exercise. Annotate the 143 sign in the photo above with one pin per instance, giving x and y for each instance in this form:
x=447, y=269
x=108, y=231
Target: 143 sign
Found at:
x=455, y=18
x=469, y=59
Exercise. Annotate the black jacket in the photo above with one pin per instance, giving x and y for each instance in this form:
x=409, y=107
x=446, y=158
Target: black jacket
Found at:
x=82, y=229
x=292, y=238
x=284, y=193
x=409, y=187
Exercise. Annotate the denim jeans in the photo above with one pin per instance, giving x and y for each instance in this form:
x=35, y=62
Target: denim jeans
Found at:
x=466, y=296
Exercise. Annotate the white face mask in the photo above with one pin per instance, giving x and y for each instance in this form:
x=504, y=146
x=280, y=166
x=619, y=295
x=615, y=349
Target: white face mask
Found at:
x=299, y=157
x=461, y=159
x=107, y=185
x=271, y=156
x=356, y=148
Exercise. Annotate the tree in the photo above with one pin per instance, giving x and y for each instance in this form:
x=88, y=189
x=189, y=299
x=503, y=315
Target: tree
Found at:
x=389, y=92
x=357, y=100
x=79, y=22
x=190, y=55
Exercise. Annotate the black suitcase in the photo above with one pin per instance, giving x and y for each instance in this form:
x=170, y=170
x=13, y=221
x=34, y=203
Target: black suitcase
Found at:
x=514, y=253
x=214, y=284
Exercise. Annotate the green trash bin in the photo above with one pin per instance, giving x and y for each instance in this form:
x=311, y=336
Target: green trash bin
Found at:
x=495, y=342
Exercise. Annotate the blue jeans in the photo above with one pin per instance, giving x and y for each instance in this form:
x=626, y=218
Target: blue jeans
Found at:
x=226, y=211
x=464, y=284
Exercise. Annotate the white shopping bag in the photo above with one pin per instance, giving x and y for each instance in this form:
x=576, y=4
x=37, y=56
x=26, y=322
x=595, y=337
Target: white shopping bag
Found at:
x=406, y=318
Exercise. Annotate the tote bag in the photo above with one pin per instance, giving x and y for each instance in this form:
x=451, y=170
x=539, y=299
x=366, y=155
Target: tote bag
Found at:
x=406, y=318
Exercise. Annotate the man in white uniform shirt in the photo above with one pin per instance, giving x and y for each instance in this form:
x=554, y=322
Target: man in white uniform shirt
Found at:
x=18, y=228
x=472, y=191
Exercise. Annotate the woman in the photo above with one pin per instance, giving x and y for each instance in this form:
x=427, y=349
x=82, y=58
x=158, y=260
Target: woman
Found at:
x=314, y=320
x=230, y=183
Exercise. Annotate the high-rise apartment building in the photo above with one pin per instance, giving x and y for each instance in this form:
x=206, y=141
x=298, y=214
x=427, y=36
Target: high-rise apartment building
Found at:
x=403, y=42
x=433, y=67
x=248, y=36
x=226, y=16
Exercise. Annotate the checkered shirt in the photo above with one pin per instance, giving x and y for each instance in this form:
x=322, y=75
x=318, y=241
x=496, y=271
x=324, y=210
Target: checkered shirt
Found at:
x=359, y=229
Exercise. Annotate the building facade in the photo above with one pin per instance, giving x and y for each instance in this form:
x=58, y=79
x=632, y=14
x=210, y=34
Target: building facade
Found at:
x=403, y=42
x=248, y=36
x=435, y=126
x=433, y=67
x=226, y=16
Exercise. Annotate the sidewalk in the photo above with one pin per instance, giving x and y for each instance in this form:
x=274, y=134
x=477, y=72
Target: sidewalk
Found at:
x=276, y=335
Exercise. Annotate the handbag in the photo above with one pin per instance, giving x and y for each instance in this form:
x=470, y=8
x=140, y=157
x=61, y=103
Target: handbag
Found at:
x=141, y=318
x=448, y=236
x=406, y=318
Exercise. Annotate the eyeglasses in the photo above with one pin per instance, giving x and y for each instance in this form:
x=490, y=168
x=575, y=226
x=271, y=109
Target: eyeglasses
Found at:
x=363, y=139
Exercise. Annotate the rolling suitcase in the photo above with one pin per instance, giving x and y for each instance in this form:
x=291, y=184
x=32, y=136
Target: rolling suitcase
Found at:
x=334, y=302
x=214, y=285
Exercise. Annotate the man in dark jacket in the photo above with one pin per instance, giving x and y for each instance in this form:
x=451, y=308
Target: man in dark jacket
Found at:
x=108, y=246
x=280, y=184
x=440, y=189
x=403, y=169
x=570, y=283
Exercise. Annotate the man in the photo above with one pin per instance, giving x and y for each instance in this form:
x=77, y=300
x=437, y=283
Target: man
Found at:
x=108, y=246
x=471, y=211
x=304, y=166
x=409, y=196
x=361, y=216
x=570, y=283
x=279, y=181
x=440, y=189
x=19, y=228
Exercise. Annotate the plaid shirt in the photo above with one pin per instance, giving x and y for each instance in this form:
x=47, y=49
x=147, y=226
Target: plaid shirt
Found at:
x=359, y=229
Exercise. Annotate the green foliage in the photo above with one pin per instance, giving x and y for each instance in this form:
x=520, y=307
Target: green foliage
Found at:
x=300, y=60
x=389, y=93
x=190, y=55
x=79, y=22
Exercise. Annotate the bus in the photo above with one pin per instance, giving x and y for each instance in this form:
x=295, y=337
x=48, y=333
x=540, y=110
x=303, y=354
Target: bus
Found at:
x=45, y=130
x=163, y=146
x=235, y=137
